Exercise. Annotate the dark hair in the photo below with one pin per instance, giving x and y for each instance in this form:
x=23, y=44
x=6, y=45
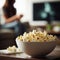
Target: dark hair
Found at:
x=9, y=9
x=10, y=2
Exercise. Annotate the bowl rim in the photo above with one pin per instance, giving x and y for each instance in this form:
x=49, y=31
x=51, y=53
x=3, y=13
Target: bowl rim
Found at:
x=36, y=42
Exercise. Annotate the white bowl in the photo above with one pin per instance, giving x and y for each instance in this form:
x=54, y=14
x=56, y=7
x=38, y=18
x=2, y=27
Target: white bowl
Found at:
x=36, y=48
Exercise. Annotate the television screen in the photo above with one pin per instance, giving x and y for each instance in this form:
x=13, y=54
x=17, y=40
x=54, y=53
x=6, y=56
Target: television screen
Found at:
x=46, y=11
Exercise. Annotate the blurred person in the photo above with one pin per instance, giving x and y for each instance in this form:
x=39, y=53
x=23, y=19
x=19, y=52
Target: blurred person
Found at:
x=8, y=17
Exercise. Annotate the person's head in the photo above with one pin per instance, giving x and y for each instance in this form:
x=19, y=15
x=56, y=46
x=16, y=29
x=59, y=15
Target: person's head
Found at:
x=8, y=8
x=9, y=2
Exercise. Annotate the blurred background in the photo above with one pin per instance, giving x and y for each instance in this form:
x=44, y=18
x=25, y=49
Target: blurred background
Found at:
x=37, y=14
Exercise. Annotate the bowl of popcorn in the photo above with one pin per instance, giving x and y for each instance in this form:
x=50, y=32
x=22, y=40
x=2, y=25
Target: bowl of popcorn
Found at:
x=36, y=43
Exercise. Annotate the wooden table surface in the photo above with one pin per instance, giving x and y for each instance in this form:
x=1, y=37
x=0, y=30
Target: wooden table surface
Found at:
x=54, y=55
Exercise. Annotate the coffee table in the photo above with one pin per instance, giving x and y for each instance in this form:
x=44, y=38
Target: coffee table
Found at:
x=54, y=55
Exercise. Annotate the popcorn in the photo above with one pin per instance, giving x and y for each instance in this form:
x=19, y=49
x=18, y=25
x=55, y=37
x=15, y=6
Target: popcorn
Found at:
x=36, y=36
x=11, y=49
